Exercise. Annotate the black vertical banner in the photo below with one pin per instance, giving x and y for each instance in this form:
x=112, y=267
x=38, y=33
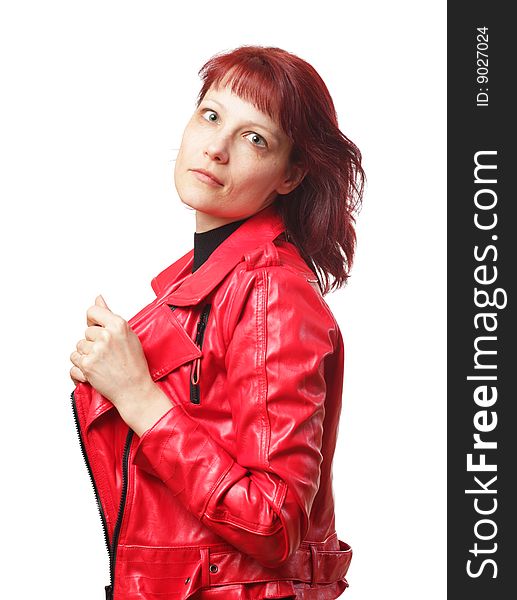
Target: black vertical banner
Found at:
x=482, y=256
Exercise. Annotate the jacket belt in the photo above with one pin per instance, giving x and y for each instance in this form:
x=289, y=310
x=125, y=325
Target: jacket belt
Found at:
x=309, y=565
x=204, y=567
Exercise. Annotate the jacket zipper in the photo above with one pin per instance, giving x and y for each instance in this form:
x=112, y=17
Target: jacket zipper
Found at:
x=112, y=549
x=196, y=365
x=116, y=530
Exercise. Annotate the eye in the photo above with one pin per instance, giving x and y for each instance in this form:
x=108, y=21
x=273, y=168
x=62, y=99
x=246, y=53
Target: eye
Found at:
x=256, y=139
x=209, y=115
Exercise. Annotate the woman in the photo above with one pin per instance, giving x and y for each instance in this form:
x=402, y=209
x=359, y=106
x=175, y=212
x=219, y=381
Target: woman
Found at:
x=208, y=422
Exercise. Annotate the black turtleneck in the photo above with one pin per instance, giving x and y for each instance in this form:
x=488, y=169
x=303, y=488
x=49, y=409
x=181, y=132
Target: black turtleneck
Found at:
x=205, y=243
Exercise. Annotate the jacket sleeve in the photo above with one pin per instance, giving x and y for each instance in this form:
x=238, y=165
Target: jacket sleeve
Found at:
x=260, y=499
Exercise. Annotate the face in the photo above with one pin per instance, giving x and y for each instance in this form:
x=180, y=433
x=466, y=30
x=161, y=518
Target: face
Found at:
x=233, y=160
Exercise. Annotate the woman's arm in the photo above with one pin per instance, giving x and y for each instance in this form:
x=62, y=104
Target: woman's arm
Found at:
x=260, y=500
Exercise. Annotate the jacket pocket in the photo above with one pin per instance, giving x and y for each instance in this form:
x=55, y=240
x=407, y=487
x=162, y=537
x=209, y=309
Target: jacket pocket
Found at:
x=195, y=371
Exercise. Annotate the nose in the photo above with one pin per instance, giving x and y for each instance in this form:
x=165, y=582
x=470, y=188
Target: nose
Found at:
x=216, y=149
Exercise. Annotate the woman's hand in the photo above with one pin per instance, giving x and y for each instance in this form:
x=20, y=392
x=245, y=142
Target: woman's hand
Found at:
x=112, y=360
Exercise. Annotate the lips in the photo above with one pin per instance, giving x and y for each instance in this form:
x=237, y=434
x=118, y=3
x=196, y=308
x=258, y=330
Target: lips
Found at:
x=207, y=176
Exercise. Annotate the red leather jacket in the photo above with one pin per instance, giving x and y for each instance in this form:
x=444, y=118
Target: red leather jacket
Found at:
x=229, y=494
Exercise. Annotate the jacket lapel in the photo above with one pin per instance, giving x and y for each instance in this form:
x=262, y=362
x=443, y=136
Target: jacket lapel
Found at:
x=178, y=270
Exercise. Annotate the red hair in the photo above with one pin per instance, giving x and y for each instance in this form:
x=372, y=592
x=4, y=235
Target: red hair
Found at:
x=319, y=212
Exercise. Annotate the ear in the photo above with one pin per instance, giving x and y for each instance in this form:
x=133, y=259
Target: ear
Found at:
x=294, y=176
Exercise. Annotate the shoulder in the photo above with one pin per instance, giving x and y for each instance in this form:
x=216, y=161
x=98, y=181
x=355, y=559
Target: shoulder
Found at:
x=274, y=278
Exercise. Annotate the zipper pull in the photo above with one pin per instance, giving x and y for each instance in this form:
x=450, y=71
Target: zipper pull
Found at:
x=194, y=371
x=195, y=368
x=109, y=592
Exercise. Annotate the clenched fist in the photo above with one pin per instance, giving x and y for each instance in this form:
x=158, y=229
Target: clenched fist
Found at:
x=110, y=357
x=111, y=360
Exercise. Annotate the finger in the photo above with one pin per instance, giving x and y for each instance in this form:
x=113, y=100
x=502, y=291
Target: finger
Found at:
x=85, y=346
x=99, y=315
x=77, y=375
x=95, y=333
x=99, y=301
x=75, y=359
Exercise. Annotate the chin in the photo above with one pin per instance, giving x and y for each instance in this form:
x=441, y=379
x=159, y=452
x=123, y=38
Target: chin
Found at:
x=196, y=202
x=193, y=196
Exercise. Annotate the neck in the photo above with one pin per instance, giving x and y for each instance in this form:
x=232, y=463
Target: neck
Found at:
x=205, y=222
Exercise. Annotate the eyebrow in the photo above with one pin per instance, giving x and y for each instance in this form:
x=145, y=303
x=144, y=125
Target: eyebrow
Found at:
x=246, y=123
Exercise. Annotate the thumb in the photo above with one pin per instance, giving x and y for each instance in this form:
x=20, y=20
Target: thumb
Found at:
x=99, y=301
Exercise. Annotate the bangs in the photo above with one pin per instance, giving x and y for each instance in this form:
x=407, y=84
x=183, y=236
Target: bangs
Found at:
x=250, y=77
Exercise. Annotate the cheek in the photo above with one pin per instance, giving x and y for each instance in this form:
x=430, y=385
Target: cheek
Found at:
x=189, y=141
x=181, y=152
x=179, y=159
x=261, y=175
x=179, y=163
x=253, y=166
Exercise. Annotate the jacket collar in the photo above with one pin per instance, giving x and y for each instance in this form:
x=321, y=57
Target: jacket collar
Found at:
x=191, y=288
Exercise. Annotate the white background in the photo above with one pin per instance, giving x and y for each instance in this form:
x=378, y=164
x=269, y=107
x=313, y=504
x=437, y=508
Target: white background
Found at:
x=94, y=99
